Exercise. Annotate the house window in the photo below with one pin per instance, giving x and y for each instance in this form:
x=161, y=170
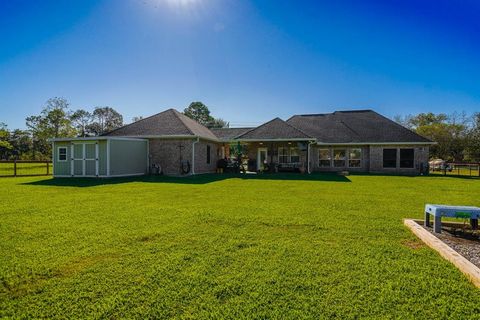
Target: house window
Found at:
x=324, y=158
x=294, y=155
x=208, y=154
x=355, y=158
x=62, y=154
x=389, y=158
x=282, y=155
x=407, y=158
x=339, y=157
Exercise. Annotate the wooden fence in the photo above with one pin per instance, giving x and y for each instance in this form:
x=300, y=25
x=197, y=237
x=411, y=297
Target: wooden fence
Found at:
x=23, y=168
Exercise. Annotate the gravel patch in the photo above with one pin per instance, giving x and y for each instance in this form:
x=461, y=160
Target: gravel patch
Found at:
x=465, y=242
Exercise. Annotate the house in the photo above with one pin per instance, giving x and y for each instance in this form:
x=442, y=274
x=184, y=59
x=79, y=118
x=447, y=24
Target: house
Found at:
x=360, y=140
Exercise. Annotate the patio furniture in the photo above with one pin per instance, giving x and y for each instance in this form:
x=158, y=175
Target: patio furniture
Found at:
x=439, y=211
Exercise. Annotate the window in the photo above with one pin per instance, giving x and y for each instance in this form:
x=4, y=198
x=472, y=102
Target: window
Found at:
x=62, y=154
x=208, y=154
x=389, y=158
x=407, y=158
x=339, y=157
x=355, y=158
x=324, y=158
x=282, y=155
x=294, y=155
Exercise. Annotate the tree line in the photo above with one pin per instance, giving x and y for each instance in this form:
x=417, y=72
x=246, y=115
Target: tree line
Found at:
x=457, y=134
x=58, y=120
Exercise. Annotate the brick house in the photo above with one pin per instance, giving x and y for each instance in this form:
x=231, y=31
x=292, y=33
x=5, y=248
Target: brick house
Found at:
x=362, y=141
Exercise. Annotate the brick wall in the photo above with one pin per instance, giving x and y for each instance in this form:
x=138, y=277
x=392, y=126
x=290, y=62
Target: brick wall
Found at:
x=376, y=159
x=201, y=165
x=168, y=152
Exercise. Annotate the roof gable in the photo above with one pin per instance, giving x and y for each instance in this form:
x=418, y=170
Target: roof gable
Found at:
x=167, y=123
x=274, y=129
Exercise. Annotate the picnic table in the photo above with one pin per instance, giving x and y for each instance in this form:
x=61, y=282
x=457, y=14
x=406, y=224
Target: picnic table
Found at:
x=438, y=211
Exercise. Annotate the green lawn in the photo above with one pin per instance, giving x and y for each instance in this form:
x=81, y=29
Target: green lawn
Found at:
x=286, y=246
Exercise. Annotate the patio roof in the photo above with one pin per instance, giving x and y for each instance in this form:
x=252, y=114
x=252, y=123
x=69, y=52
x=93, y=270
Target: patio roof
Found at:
x=274, y=130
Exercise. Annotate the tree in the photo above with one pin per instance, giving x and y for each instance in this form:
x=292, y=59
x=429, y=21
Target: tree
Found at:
x=138, y=118
x=219, y=123
x=200, y=113
x=81, y=119
x=5, y=145
x=105, y=119
x=21, y=142
x=473, y=144
x=450, y=133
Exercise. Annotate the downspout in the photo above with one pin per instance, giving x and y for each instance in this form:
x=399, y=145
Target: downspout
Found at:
x=193, y=154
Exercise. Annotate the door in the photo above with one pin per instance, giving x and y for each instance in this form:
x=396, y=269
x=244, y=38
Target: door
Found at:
x=77, y=159
x=84, y=159
x=261, y=158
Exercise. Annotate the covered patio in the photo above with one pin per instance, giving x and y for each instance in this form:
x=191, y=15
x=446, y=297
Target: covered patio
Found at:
x=274, y=146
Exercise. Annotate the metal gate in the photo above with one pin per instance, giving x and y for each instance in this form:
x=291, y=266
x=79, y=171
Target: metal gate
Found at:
x=84, y=161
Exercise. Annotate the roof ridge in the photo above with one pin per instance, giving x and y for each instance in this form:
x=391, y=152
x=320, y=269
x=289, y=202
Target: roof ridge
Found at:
x=141, y=120
x=176, y=113
x=276, y=118
x=399, y=125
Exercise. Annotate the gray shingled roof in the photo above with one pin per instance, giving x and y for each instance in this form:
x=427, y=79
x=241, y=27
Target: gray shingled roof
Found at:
x=360, y=126
x=228, y=134
x=274, y=129
x=166, y=123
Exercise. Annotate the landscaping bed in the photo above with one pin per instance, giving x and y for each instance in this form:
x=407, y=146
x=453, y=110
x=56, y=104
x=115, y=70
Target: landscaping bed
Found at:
x=465, y=242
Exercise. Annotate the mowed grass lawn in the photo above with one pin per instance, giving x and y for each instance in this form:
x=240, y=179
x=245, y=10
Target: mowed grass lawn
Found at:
x=286, y=246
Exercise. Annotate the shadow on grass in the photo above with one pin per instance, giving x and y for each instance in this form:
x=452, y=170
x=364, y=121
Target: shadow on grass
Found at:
x=198, y=179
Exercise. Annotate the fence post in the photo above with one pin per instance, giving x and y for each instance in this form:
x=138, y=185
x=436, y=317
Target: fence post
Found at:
x=15, y=167
x=48, y=167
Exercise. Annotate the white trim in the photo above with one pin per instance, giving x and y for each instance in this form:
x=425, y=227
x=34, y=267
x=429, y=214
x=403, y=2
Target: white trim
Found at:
x=272, y=140
x=193, y=154
x=58, y=153
x=94, y=139
x=330, y=157
x=84, y=158
x=258, y=156
x=375, y=143
x=96, y=159
x=72, y=160
x=127, y=175
x=349, y=159
x=108, y=158
x=148, y=156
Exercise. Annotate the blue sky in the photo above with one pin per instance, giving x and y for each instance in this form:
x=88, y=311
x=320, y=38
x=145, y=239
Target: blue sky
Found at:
x=249, y=61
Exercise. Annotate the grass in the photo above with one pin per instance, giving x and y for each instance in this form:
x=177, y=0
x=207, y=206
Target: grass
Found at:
x=7, y=169
x=213, y=246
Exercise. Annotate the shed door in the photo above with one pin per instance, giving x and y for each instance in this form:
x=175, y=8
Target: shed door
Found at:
x=85, y=159
x=90, y=159
x=77, y=159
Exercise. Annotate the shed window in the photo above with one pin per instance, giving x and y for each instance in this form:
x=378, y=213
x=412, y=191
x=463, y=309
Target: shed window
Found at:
x=389, y=158
x=407, y=158
x=324, y=158
x=339, y=157
x=62, y=154
x=355, y=158
x=208, y=154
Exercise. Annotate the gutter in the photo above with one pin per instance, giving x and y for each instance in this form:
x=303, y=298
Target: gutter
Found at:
x=193, y=154
x=374, y=143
